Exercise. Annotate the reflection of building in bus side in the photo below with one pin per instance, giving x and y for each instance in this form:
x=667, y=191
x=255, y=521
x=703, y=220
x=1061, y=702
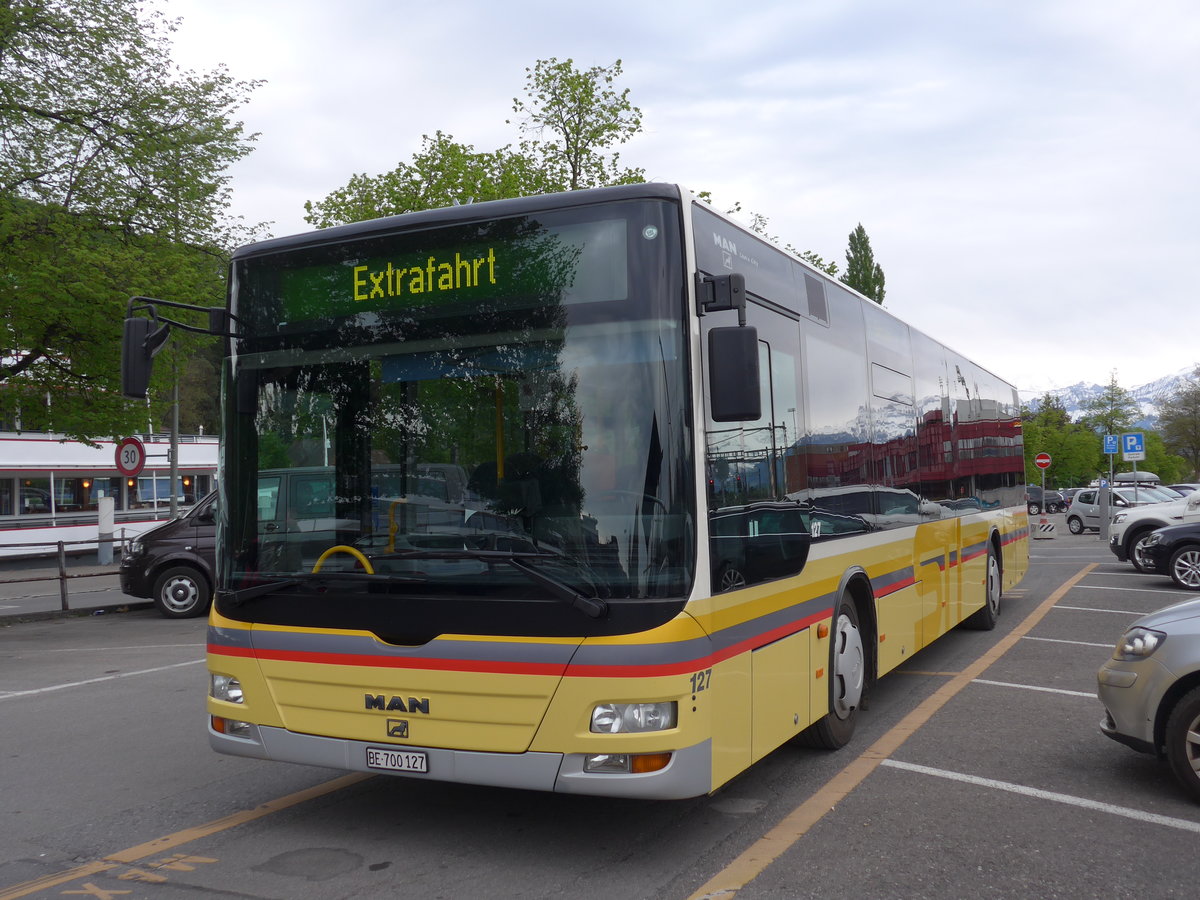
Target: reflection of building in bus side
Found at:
x=950, y=459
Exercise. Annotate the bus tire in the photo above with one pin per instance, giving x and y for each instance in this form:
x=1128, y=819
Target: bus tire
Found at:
x=984, y=619
x=847, y=681
x=181, y=592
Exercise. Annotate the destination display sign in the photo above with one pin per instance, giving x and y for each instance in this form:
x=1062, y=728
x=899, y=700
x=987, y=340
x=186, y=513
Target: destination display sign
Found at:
x=577, y=263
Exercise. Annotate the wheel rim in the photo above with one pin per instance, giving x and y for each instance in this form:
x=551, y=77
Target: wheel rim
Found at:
x=1187, y=569
x=1191, y=745
x=1075, y=525
x=993, y=585
x=1138, y=557
x=180, y=594
x=849, y=666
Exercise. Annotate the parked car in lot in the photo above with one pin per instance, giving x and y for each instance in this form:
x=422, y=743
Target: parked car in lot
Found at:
x=1186, y=488
x=1174, y=551
x=1132, y=526
x=1084, y=514
x=1050, y=501
x=1150, y=689
x=1069, y=495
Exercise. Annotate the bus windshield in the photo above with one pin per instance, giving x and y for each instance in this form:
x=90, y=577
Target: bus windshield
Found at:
x=470, y=420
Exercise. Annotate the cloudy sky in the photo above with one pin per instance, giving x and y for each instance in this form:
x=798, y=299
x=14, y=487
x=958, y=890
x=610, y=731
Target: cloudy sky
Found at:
x=1027, y=170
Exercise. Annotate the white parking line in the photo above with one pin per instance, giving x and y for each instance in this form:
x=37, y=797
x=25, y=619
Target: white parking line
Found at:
x=1030, y=687
x=8, y=695
x=1109, y=587
x=1121, y=612
x=1107, y=646
x=193, y=645
x=1137, y=814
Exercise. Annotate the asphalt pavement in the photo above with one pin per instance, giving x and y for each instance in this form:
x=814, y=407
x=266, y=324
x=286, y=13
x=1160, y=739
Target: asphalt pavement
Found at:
x=37, y=589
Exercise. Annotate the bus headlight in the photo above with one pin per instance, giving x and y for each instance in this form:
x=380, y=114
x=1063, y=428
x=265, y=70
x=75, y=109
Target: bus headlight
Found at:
x=226, y=687
x=631, y=718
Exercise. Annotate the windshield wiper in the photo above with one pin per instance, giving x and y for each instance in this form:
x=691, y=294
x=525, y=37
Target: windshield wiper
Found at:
x=590, y=606
x=245, y=595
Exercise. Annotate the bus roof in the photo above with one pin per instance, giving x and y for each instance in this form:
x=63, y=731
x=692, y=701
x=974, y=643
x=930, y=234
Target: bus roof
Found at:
x=468, y=212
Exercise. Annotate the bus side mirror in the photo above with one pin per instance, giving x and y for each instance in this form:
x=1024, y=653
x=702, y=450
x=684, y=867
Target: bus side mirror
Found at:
x=733, y=384
x=139, y=344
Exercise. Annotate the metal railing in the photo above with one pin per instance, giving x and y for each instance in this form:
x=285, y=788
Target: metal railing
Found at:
x=60, y=556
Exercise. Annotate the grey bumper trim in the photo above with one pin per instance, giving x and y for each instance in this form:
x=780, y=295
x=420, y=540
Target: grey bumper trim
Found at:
x=689, y=774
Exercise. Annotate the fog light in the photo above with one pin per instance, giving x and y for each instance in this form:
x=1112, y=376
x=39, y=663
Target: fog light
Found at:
x=607, y=762
x=232, y=727
x=625, y=763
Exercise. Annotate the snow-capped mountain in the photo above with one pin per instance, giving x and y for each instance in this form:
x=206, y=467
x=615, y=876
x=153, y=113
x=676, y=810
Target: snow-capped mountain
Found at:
x=1076, y=397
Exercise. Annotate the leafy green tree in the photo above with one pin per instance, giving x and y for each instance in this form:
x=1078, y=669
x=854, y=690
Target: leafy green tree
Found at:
x=1112, y=411
x=571, y=121
x=1074, y=449
x=112, y=184
x=830, y=268
x=442, y=173
x=1161, y=461
x=1179, y=421
x=862, y=272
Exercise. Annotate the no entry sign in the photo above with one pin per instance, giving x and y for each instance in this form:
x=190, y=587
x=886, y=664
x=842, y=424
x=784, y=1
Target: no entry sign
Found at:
x=1042, y=460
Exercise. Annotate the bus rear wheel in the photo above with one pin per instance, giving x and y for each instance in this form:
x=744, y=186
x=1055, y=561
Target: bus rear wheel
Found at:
x=847, y=681
x=985, y=619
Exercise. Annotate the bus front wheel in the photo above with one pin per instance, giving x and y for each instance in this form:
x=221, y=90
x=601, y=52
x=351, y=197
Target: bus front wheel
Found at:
x=847, y=681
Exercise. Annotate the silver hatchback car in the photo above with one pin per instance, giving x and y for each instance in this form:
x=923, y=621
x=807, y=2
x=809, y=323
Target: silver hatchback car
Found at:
x=1150, y=689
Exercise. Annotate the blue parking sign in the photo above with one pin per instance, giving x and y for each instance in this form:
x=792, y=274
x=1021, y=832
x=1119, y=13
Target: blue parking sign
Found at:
x=1133, y=446
x=1110, y=443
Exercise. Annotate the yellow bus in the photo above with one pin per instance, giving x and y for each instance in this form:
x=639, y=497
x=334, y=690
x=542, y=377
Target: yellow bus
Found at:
x=619, y=498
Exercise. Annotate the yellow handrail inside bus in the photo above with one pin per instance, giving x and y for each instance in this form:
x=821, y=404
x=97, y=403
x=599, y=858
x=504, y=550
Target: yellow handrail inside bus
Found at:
x=342, y=548
x=392, y=527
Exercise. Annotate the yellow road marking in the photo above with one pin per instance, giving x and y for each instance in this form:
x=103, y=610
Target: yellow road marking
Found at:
x=751, y=863
x=186, y=836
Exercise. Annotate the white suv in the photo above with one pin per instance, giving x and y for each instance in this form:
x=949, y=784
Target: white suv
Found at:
x=1084, y=512
x=1130, y=527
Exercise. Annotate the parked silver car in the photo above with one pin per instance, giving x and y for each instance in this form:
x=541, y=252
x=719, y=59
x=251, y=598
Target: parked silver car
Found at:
x=1150, y=689
x=1084, y=513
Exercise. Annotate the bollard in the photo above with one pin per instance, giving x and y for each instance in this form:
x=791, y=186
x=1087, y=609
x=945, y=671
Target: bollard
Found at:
x=104, y=550
x=62, y=575
x=1044, y=530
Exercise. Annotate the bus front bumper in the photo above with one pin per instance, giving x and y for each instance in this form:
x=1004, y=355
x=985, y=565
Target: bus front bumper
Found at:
x=688, y=774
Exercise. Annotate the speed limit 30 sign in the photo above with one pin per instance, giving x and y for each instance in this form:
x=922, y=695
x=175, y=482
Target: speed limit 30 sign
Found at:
x=131, y=456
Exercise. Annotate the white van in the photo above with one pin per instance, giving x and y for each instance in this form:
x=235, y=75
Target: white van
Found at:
x=1131, y=527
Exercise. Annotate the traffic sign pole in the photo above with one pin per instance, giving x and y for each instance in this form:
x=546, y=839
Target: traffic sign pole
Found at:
x=1045, y=528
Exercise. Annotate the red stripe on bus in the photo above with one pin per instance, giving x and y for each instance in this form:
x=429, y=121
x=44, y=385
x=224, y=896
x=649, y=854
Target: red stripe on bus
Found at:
x=496, y=667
